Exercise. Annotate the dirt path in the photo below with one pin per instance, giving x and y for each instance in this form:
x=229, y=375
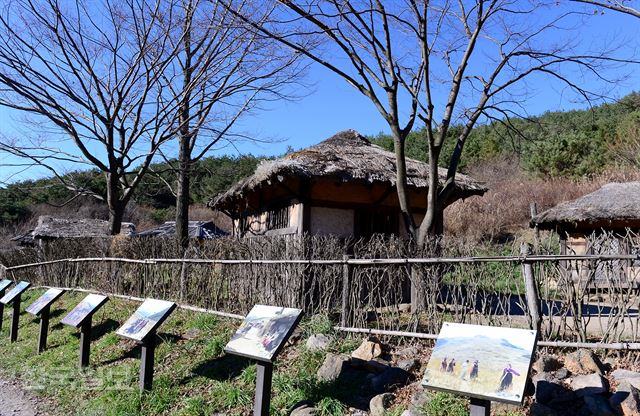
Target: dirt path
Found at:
x=14, y=401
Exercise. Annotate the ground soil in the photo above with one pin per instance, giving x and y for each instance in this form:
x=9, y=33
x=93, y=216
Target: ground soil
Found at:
x=16, y=401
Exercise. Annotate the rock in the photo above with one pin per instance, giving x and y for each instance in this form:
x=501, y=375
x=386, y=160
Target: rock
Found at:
x=390, y=378
x=333, y=367
x=375, y=366
x=192, y=333
x=303, y=408
x=409, y=364
x=583, y=362
x=561, y=374
x=404, y=308
x=598, y=406
x=546, y=376
x=318, y=342
x=588, y=385
x=368, y=350
x=408, y=352
x=630, y=406
x=538, y=409
x=380, y=403
x=546, y=363
x=548, y=393
x=626, y=378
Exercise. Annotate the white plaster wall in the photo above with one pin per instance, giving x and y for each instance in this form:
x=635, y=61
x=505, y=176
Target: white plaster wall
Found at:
x=331, y=221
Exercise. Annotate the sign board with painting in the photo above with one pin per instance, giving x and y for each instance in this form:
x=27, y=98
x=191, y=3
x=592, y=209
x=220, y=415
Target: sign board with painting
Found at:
x=149, y=316
x=484, y=362
x=264, y=332
x=84, y=310
x=4, y=284
x=15, y=292
x=44, y=301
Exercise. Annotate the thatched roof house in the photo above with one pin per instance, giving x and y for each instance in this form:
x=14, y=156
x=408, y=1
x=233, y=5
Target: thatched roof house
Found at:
x=201, y=230
x=598, y=223
x=51, y=228
x=615, y=206
x=344, y=185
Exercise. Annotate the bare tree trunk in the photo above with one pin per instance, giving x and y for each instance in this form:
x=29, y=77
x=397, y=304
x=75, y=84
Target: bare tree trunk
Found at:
x=183, y=194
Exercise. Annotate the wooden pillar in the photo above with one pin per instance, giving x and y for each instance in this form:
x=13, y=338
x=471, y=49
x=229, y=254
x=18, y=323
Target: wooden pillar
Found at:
x=146, y=362
x=346, y=290
x=262, y=400
x=44, y=329
x=85, y=342
x=531, y=289
x=479, y=407
x=15, y=319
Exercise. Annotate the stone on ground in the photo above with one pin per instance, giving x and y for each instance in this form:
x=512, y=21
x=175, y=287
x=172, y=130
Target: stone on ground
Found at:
x=583, y=362
x=625, y=378
x=303, y=408
x=546, y=363
x=333, y=367
x=389, y=379
x=368, y=350
x=318, y=342
x=409, y=364
x=598, y=406
x=589, y=384
x=631, y=405
x=380, y=404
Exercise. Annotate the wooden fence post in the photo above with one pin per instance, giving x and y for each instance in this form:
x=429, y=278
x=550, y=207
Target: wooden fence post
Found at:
x=531, y=288
x=346, y=289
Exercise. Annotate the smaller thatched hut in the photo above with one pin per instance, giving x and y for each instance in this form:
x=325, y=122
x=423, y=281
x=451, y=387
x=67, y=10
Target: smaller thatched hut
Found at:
x=602, y=222
x=200, y=230
x=343, y=186
x=50, y=228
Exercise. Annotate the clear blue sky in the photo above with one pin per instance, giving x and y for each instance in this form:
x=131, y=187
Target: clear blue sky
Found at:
x=331, y=105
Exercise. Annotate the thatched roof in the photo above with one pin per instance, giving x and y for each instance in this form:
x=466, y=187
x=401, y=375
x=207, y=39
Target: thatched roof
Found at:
x=197, y=229
x=617, y=203
x=49, y=227
x=346, y=156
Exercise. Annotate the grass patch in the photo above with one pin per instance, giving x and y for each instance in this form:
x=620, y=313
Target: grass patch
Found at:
x=192, y=376
x=445, y=404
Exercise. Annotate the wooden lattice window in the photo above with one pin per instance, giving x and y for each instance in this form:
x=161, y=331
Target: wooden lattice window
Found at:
x=278, y=218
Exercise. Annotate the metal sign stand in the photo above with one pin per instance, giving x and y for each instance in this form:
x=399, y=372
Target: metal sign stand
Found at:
x=146, y=365
x=85, y=342
x=44, y=329
x=479, y=407
x=15, y=319
x=262, y=402
x=1, y=308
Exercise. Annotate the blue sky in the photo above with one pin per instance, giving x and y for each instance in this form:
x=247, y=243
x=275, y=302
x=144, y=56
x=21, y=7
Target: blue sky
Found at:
x=331, y=105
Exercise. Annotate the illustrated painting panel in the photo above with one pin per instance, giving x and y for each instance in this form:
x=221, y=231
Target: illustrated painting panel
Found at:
x=263, y=332
x=145, y=319
x=4, y=284
x=13, y=293
x=45, y=300
x=84, y=309
x=481, y=361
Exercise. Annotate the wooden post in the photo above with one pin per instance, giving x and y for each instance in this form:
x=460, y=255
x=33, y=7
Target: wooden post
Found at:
x=262, y=400
x=146, y=362
x=533, y=210
x=85, y=342
x=44, y=329
x=479, y=407
x=346, y=290
x=531, y=289
x=1, y=308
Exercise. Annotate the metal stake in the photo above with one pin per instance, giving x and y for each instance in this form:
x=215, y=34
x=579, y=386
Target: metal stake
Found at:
x=15, y=319
x=480, y=407
x=44, y=329
x=263, y=389
x=85, y=342
x=146, y=365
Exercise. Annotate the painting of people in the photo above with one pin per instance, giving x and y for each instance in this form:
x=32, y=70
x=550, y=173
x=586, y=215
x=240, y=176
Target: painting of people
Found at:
x=13, y=293
x=481, y=361
x=146, y=318
x=263, y=332
x=44, y=301
x=84, y=309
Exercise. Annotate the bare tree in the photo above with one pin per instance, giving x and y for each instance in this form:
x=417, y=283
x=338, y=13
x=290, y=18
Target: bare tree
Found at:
x=438, y=63
x=222, y=71
x=86, y=76
x=622, y=6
